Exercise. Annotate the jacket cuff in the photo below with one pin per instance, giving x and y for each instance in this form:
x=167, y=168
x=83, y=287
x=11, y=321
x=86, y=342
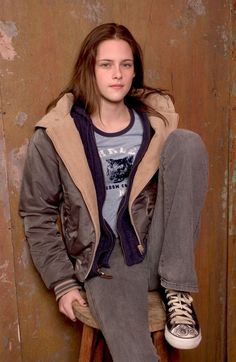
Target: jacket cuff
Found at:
x=64, y=287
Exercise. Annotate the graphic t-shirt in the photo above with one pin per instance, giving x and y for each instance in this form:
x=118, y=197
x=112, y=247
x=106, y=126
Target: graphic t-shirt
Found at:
x=117, y=152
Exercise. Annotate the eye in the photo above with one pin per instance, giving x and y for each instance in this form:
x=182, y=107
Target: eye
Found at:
x=127, y=65
x=105, y=65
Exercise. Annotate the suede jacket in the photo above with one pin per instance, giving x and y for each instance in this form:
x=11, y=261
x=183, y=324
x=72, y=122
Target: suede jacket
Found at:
x=58, y=184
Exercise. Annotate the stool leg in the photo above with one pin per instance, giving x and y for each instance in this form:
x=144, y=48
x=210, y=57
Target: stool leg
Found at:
x=174, y=355
x=160, y=345
x=107, y=355
x=99, y=348
x=86, y=345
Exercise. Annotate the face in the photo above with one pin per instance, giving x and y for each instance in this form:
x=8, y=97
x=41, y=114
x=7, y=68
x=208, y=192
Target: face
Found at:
x=114, y=70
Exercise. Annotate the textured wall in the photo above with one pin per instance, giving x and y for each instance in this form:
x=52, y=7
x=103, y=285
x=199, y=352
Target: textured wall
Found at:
x=231, y=308
x=187, y=49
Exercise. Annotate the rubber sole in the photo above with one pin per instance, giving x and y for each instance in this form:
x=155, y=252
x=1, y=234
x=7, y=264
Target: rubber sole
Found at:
x=182, y=343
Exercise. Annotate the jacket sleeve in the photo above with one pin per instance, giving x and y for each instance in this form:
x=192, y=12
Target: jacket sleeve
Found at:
x=40, y=200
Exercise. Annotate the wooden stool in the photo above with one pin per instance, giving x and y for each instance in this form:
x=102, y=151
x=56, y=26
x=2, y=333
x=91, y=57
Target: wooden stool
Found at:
x=92, y=342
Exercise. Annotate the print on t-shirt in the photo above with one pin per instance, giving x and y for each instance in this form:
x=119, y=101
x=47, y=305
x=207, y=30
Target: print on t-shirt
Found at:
x=119, y=169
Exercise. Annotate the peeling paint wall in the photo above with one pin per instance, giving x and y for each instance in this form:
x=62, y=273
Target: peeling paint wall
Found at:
x=8, y=31
x=9, y=319
x=187, y=49
x=16, y=163
x=231, y=296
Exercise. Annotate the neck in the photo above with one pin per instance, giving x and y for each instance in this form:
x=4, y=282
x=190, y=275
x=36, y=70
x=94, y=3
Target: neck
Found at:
x=113, y=117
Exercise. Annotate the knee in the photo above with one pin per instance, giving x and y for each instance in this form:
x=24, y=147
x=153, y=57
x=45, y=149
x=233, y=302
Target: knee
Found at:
x=185, y=143
x=185, y=140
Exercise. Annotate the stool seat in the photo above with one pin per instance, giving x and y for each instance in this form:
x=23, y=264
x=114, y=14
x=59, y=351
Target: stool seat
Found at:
x=156, y=313
x=92, y=342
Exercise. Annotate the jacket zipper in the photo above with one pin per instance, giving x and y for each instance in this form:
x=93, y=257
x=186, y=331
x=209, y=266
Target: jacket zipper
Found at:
x=100, y=272
x=140, y=246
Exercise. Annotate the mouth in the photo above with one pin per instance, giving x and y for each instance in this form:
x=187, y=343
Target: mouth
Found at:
x=116, y=86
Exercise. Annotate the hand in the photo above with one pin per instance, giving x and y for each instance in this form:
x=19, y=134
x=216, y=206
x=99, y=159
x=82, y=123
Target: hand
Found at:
x=65, y=303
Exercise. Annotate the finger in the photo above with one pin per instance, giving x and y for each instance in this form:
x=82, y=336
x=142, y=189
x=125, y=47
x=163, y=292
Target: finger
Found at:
x=82, y=301
x=68, y=312
x=71, y=314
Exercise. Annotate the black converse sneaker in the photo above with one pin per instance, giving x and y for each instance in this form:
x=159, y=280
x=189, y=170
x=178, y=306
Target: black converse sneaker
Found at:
x=182, y=329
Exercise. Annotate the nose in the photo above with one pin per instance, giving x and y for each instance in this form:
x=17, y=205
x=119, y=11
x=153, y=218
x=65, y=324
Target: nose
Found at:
x=117, y=74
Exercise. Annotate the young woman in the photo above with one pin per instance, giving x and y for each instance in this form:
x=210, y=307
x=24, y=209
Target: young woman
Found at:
x=128, y=188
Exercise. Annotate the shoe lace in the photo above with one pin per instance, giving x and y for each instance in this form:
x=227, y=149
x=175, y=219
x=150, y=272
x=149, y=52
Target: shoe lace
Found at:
x=179, y=306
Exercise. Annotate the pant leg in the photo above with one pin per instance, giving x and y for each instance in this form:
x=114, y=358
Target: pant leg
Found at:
x=120, y=306
x=182, y=186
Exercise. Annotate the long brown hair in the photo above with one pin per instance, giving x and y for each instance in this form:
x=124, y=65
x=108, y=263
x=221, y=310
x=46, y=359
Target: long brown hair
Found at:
x=83, y=83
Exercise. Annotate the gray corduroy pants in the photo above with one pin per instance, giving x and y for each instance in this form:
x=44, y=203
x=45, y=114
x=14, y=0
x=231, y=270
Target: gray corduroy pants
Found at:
x=120, y=304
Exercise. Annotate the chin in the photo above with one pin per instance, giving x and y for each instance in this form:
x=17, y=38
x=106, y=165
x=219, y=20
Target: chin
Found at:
x=114, y=99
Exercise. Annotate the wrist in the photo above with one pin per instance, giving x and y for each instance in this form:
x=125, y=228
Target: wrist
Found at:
x=65, y=286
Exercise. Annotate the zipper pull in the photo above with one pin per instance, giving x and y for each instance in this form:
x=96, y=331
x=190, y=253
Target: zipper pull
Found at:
x=104, y=275
x=140, y=248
